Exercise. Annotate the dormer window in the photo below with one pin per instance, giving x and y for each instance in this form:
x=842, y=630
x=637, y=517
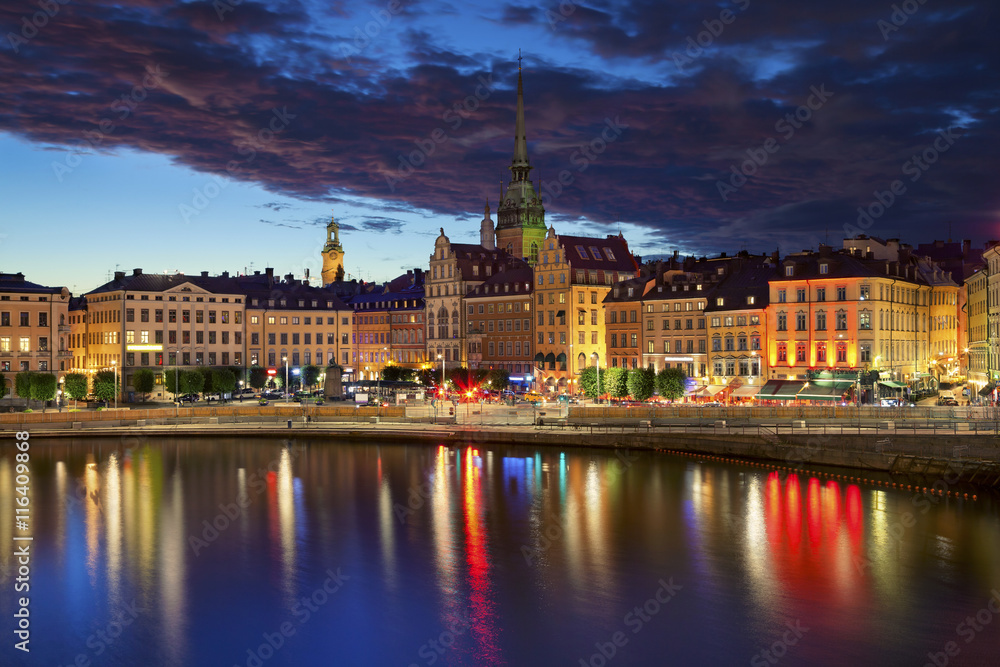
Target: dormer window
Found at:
x=719, y=301
x=790, y=270
x=630, y=290
x=721, y=271
x=751, y=300
x=824, y=268
x=698, y=287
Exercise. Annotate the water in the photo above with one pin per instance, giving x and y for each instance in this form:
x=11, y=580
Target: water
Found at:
x=368, y=554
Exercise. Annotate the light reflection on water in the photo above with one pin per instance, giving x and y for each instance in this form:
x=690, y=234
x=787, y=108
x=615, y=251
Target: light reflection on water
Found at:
x=458, y=555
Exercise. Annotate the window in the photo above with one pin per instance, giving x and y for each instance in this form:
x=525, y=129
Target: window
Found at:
x=821, y=321
x=754, y=342
x=800, y=295
x=199, y=316
x=716, y=344
x=865, y=292
x=720, y=301
x=751, y=300
x=864, y=320
x=129, y=314
x=841, y=353
x=782, y=321
x=800, y=321
x=729, y=344
x=824, y=268
x=716, y=321
x=866, y=353
x=729, y=321
x=790, y=270
x=634, y=340
x=841, y=293
x=782, y=296
x=821, y=294
x=841, y=320
x=821, y=353
x=800, y=352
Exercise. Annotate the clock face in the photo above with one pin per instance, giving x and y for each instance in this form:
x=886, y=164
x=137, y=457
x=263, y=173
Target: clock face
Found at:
x=332, y=254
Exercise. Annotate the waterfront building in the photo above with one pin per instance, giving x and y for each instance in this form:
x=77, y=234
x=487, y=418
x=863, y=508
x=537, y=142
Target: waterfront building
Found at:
x=944, y=360
x=623, y=321
x=388, y=326
x=572, y=277
x=991, y=256
x=293, y=323
x=737, y=330
x=499, y=323
x=976, y=348
x=34, y=328
x=150, y=321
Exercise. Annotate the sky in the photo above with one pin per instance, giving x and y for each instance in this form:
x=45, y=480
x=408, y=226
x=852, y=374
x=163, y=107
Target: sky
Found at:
x=222, y=135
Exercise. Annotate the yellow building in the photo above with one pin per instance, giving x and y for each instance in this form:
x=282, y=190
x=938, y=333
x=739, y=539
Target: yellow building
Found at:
x=572, y=277
x=977, y=348
x=151, y=321
x=737, y=331
x=34, y=328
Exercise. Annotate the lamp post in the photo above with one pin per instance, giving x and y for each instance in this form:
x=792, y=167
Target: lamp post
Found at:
x=597, y=395
x=114, y=366
x=241, y=391
x=285, y=360
x=442, y=375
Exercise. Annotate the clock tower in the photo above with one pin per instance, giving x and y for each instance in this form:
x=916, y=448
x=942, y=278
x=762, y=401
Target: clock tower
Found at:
x=333, y=254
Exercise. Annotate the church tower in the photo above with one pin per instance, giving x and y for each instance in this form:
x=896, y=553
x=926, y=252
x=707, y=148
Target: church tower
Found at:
x=333, y=254
x=520, y=215
x=486, y=232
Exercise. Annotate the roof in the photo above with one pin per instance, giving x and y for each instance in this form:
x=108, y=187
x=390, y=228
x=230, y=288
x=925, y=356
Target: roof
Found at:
x=520, y=272
x=734, y=290
x=161, y=282
x=15, y=282
x=613, y=253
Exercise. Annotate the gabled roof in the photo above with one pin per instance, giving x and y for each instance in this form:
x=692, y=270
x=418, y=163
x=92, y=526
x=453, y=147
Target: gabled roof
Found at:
x=15, y=282
x=159, y=282
x=734, y=290
x=612, y=253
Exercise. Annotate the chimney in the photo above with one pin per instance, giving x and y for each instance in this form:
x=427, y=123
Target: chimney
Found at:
x=966, y=247
x=269, y=272
x=119, y=276
x=307, y=274
x=136, y=272
x=204, y=274
x=225, y=274
x=256, y=273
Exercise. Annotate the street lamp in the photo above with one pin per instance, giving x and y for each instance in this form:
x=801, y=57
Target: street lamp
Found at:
x=285, y=360
x=114, y=366
x=598, y=367
x=442, y=375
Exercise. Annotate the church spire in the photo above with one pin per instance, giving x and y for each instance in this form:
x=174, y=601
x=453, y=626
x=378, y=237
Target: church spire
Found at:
x=519, y=164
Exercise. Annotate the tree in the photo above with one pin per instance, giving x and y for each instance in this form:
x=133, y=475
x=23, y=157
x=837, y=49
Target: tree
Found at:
x=258, y=377
x=616, y=382
x=43, y=386
x=170, y=378
x=3, y=385
x=588, y=382
x=192, y=382
x=641, y=382
x=143, y=381
x=397, y=374
x=75, y=385
x=105, y=385
x=427, y=377
x=22, y=384
x=310, y=375
x=670, y=383
x=208, y=385
x=225, y=381
x=499, y=379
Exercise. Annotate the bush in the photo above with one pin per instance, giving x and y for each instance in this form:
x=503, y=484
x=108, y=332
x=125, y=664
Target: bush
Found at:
x=28, y=410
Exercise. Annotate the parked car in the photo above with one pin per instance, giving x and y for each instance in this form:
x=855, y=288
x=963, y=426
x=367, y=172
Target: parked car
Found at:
x=188, y=398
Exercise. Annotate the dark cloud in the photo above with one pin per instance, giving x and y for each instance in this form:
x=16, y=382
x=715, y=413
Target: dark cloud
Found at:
x=263, y=94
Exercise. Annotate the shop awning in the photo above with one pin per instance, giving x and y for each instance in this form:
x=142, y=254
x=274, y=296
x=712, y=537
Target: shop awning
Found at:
x=780, y=390
x=746, y=390
x=827, y=391
x=539, y=358
x=987, y=390
x=891, y=384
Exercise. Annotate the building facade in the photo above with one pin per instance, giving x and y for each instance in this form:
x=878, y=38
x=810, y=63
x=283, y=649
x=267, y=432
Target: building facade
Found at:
x=977, y=347
x=500, y=321
x=35, y=332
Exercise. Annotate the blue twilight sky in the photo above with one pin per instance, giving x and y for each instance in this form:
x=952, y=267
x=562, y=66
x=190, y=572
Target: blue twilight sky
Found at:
x=120, y=120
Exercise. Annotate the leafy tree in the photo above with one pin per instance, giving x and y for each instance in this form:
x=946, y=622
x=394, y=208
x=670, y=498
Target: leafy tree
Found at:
x=670, y=383
x=43, y=386
x=641, y=382
x=75, y=385
x=427, y=377
x=143, y=381
x=22, y=384
x=170, y=378
x=192, y=382
x=3, y=385
x=225, y=381
x=258, y=377
x=310, y=375
x=208, y=386
x=616, y=382
x=588, y=382
x=397, y=374
x=104, y=385
x=499, y=379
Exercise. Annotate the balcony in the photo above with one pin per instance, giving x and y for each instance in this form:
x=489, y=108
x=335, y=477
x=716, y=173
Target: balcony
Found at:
x=64, y=328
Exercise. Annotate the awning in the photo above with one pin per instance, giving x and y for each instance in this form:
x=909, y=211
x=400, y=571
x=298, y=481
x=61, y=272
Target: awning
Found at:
x=780, y=390
x=830, y=391
x=891, y=384
x=539, y=358
x=746, y=390
x=713, y=389
x=987, y=390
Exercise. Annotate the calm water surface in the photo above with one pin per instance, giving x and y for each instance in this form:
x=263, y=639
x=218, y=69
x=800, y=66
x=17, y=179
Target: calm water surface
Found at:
x=219, y=552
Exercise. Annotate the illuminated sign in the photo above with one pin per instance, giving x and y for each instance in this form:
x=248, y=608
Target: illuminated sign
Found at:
x=678, y=358
x=144, y=348
x=271, y=371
